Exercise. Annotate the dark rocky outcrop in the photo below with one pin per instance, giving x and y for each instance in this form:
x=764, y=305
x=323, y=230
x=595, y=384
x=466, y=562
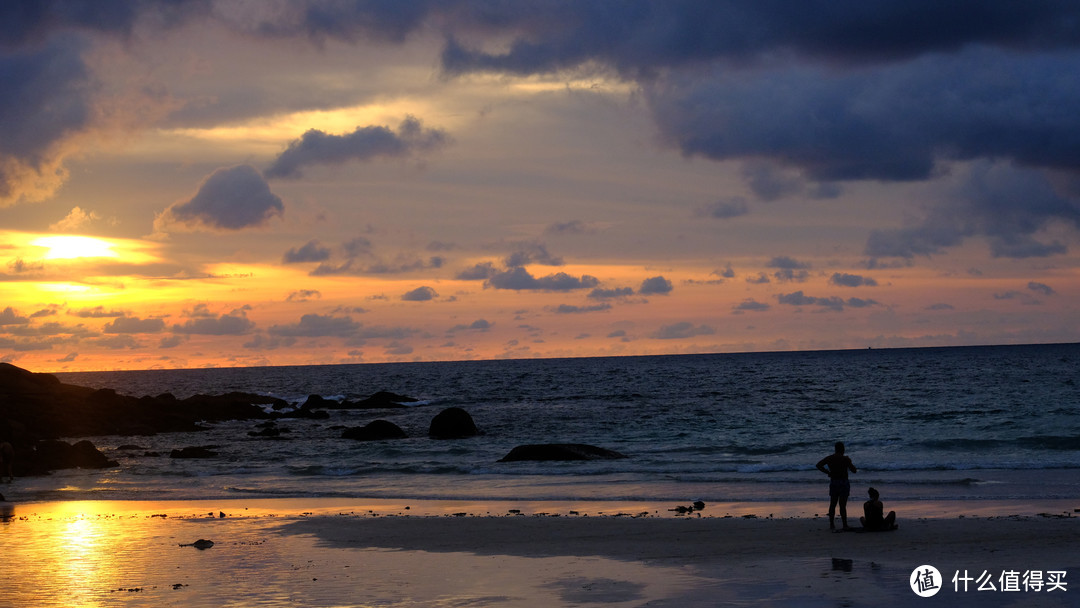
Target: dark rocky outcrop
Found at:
x=36, y=409
x=381, y=400
x=374, y=431
x=452, y=423
x=197, y=451
x=44, y=408
x=560, y=451
x=52, y=455
x=319, y=402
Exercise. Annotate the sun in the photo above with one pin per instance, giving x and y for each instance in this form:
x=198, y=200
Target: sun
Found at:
x=67, y=247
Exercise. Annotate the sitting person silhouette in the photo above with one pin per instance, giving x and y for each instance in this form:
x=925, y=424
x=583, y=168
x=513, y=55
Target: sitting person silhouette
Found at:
x=874, y=518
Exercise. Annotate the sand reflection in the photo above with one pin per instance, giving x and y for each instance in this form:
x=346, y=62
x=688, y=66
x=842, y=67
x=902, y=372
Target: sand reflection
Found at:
x=83, y=554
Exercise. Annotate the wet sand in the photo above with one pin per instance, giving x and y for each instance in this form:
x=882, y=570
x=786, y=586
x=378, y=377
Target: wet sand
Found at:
x=378, y=553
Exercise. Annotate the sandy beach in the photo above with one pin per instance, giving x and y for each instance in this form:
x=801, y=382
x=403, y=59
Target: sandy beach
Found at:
x=379, y=553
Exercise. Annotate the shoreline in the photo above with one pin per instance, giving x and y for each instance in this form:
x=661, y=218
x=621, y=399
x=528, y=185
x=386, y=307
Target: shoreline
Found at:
x=285, y=507
x=335, y=552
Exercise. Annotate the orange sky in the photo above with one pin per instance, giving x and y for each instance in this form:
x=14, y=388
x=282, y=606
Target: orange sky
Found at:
x=239, y=185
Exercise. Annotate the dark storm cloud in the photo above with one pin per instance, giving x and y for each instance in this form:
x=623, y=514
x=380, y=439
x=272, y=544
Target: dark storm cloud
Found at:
x=23, y=22
x=45, y=97
x=1004, y=204
x=479, y=325
x=892, y=122
x=520, y=279
x=47, y=92
x=312, y=251
x=641, y=37
x=365, y=143
x=232, y=198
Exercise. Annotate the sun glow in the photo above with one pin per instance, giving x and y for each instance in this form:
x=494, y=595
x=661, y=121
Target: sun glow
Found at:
x=69, y=247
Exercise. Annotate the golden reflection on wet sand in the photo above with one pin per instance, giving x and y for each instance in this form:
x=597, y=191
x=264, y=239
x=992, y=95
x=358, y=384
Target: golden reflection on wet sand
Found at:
x=90, y=554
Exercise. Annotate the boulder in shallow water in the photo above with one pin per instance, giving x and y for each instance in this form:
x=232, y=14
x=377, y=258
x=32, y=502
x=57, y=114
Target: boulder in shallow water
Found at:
x=379, y=400
x=318, y=401
x=375, y=431
x=560, y=451
x=452, y=423
x=52, y=455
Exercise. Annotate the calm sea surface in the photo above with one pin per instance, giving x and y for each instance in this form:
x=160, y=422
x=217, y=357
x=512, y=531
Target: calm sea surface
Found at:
x=973, y=423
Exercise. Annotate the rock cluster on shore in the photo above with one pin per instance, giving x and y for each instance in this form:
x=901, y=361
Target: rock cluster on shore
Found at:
x=37, y=409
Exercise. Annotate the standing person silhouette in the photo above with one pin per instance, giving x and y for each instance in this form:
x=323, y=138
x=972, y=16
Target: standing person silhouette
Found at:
x=836, y=466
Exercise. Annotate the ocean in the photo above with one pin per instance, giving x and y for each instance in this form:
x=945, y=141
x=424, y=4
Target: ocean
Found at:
x=935, y=424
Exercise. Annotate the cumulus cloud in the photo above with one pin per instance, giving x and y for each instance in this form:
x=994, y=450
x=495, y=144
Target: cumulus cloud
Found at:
x=402, y=263
x=8, y=316
x=655, y=286
x=365, y=143
x=751, y=305
x=727, y=208
x=532, y=253
x=601, y=293
x=420, y=294
x=851, y=280
x=133, y=325
x=235, y=323
x=303, y=295
x=520, y=279
x=75, y=219
x=312, y=251
x=478, y=272
x=480, y=325
x=1042, y=288
x=789, y=269
x=316, y=326
x=232, y=198
x=569, y=309
x=831, y=303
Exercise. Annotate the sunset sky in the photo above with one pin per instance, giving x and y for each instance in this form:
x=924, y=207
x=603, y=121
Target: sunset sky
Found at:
x=246, y=182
